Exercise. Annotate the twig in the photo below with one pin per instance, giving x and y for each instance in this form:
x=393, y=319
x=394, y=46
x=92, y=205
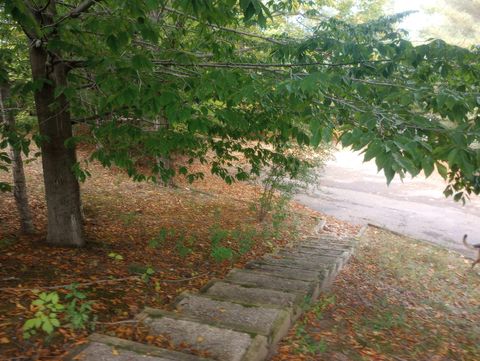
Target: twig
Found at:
x=116, y=323
x=185, y=279
x=9, y=279
x=84, y=284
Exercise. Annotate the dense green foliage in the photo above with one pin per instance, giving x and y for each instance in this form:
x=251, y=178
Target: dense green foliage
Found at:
x=224, y=83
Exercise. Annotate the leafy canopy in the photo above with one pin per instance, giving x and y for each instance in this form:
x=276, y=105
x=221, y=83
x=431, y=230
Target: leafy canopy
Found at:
x=211, y=69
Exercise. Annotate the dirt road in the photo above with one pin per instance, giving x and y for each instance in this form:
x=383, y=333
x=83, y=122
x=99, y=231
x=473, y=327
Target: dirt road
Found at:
x=352, y=190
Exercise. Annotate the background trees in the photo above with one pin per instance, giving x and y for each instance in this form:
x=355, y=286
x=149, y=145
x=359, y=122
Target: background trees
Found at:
x=228, y=86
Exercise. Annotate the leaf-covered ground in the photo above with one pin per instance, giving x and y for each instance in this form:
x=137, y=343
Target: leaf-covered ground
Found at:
x=129, y=226
x=398, y=299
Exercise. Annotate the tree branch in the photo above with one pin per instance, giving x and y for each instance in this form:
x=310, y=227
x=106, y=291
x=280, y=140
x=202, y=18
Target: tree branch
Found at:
x=252, y=35
x=265, y=65
x=76, y=12
x=84, y=6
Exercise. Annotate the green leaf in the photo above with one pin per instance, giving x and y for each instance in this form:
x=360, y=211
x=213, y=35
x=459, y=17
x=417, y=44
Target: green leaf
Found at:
x=428, y=166
x=389, y=173
x=442, y=170
x=29, y=324
x=47, y=326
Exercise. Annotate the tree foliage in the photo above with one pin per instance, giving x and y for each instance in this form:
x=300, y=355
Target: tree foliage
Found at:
x=225, y=85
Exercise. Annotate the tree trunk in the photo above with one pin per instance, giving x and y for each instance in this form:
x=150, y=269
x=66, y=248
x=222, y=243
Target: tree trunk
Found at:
x=62, y=190
x=165, y=161
x=19, y=182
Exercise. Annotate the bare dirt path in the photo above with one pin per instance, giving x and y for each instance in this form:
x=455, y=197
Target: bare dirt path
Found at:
x=353, y=191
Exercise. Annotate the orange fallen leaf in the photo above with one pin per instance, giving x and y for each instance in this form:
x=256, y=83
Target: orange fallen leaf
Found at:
x=4, y=340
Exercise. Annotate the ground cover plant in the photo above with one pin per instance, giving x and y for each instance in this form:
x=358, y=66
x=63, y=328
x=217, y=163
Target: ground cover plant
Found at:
x=398, y=299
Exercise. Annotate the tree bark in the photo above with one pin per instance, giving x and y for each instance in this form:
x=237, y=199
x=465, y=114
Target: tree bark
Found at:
x=62, y=190
x=19, y=182
x=165, y=161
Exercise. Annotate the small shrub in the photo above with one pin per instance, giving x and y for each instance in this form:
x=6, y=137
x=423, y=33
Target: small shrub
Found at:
x=78, y=310
x=147, y=274
x=160, y=238
x=245, y=240
x=47, y=307
x=218, y=235
x=49, y=310
x=220, y=253
x=183, y=247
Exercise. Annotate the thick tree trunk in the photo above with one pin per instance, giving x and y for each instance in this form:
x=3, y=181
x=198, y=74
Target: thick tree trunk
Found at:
x=62, y=190
x=19, y=182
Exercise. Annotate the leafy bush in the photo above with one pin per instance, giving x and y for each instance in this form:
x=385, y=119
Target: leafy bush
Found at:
x=183, y=246
x=279, y=185
x=245, y=239
x=49, y=311
x=220, y=253
x=47, y=307
x=78, y=310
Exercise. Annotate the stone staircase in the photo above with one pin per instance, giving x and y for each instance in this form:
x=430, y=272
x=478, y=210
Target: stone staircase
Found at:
x=240, y=318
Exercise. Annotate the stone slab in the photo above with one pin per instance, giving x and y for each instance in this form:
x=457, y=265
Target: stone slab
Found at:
x=315, y=248
x=267, y=321
x=290, y=262
x=107, y=348
x=252, y=296
x=316, y=255
x=318, y=250
x=323, y=260
x=222, y=344
x=328, y=244
x=292, y=273
x=268, y=281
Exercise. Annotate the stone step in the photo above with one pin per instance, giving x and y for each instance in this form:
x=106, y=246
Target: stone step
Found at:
x=291, y=273
x=300, y=263
x=258, y=279
x=270, y=322
x=107, y=348
x=254, y=296
x=333, y=252
x=331, y=262
x=334, y=248
x=222, y=344
x=328, y=244
x=316, y=254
